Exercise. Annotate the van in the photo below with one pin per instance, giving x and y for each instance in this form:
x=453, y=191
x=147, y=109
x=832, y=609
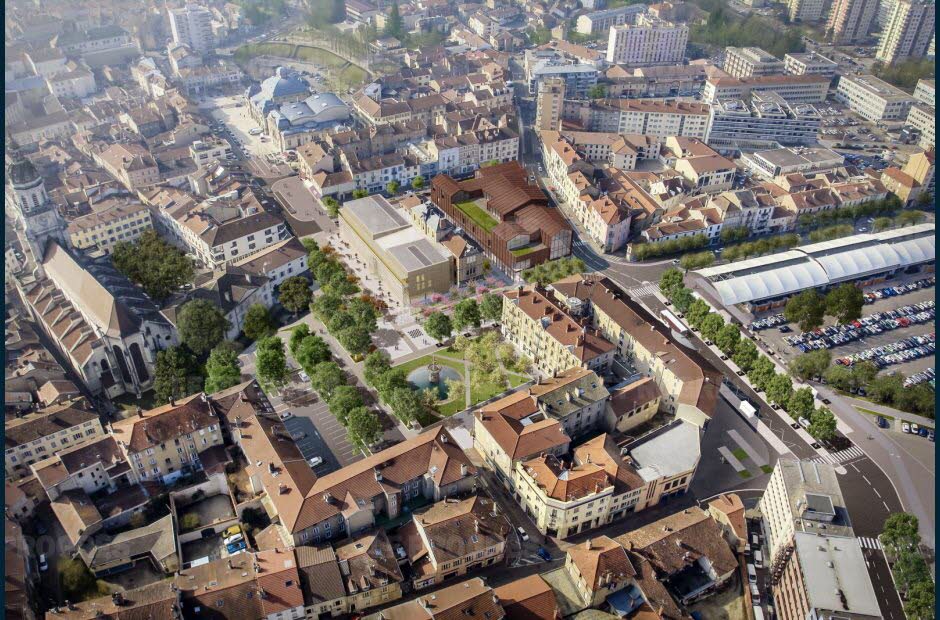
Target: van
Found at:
x=751, y=573
x=755, y=541
x=233, y=539
x=758, y=613
x=758, y=559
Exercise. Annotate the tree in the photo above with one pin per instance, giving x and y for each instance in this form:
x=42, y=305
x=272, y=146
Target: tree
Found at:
x=908, y=218
x=598, y=91
x=176, y=374
x=491, y=307
x=921, y=600
x=711, y=324
x=466, y=314
x=417, y=183
x=822, y=425
x=885, y=389
x=811, y=364
x=258, y=323
x=312, y=350
x=345, y=398
x=670, y=281
x=392, y=187
x=924, y=200
x=801, y=404
x=406, y=404
x=881, y=223
x=901, y=532
x=697, y=313
x=364, y=428
x=745, y=354
x=807, y=309
x=201, y=325
x=77, y=580
x=270, y=362
x=297, y=336
x=355, y=339
x=359, y=193
x=917, y=399
x=326, y=305
x=326, y=377
x=222, y=369
x=376, y=365
x=727, y=338
x=394, y=24
x=156, y=265
x=294, y=294
x=910, y=568
x=864, y=373
x=845, y=303
x=682, y=299
x=779, y=389
x=699, y=260
x=332, y=206
x=363, y=313
x=761, y=372
x=438, y=326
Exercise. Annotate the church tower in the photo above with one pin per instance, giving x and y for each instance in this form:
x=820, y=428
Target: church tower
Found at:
x=37, y=218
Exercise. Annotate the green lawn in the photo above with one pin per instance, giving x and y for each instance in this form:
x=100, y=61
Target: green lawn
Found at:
x=744, y=474
x=739, y=454
x=425, y=360
x=320, y=57
x=874, y=413
x=129, y=402
x=483, y=219
x=519, y=252
x=766, y=469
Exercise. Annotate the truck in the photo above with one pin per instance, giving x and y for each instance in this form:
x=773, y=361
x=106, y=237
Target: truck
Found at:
x=673, y=322
x=746, y=409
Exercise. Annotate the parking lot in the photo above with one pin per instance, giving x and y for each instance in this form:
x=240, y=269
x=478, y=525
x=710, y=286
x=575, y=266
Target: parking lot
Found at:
x=232, y=112
x=787, y=352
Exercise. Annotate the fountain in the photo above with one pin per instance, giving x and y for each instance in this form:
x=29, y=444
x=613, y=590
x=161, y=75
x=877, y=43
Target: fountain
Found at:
x=433, y=377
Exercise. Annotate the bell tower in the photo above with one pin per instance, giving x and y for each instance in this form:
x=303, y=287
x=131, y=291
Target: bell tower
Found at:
x=36, y=215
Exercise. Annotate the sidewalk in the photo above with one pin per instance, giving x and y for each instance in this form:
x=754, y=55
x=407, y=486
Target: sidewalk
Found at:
x=888, y=411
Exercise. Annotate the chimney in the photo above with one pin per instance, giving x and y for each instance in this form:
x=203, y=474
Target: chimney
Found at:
x=281, y=488
x=378, y=474
x=328, y=498
x=140, y=412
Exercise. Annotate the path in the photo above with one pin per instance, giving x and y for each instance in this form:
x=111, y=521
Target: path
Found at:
x=889, y=411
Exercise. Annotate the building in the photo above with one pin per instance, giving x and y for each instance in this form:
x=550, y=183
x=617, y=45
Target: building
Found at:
x=554, y=341
x=605, y=480
x=157, y=600
x=868, y=258
x=453, y=537
x=872, y=98
x=648, y=42
x=75, y=84
x=742, y=62
x=545, y=64
x=925, y=92
x=39, y=435
x=92, y=467
x=850, y=21
x=164, y=443
x=191, y=25
x=650, y=117
x=38, y=220
x=597, y=568
x=549, y=104
x=470, y=598
x=285, y=86
x=793, y=88
x=99, y=45
x=118, y=222
x=909, y=31
x=506, y=215
x=409, y=265
x=528, y=598
x=809, y=63
x=599, y=22
x=806, y=10
x=107, y=329
x=767, y=121
x=297, y=123
x=687, y=382
x=369, y=569
x=774, y=163
x=923, y=118
x=131, y=164
x=206, y=151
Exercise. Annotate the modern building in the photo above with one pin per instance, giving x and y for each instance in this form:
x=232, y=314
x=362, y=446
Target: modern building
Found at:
x=599, y=22
x=741, y=62
x=773, y=163
x=297, y=123
x=506, y=215
x=41, y=434
x=923, y=118
x=850, y=21
x=546, y=64
x=766, y=121
x=809, y=63
x=118, y=222
x=650, y=117
x=649, y=41
x=909, y=31
x=925, y=92
x=206, y=151
x=793, y=88
x=549, y=104
x=873, y=98
x=409, y=265
x=806, y=10
x=191, y=25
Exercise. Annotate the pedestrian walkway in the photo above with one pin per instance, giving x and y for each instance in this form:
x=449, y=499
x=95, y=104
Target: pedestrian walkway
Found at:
x=731, y=459
x=869, y=543
x=759, y=460
x=647, y=289
x=849, y=454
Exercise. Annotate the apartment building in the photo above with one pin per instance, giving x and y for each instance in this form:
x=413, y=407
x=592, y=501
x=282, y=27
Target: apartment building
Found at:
x=774, y=163
x=599, y=22
x=41, y=434
x=369, y=569
x=554, y=340
x=409, y=265
x=191, y=25
x=471, y=598
x=605, y=480
x=206, y=151
x=92, y=467
x=649, y=41
x=131, y=164
x=453, y=537
x=650, y=117
x=925, y=92
x=809, y=63
x=163, y=443
x=742, y=62
x=793, y=88
x=766, y=121
x=806, y=10
x=75, y=84
x=923, y=118
x=872, y=98
x=688, y=383
x=909, y=31
x=850, y=21
x=104, y=228
x=546, y=64
x=550, y=102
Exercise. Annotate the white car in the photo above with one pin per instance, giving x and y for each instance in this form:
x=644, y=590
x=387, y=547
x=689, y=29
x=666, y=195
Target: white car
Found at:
x=905, y=427
x=522, y=534
x=43, y=564
x=317, y=460
x=232, y=539
x=303, y=376
x=915, y=429
x=285, y=415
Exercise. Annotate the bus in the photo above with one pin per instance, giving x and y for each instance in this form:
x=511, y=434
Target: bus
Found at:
x=673, y=322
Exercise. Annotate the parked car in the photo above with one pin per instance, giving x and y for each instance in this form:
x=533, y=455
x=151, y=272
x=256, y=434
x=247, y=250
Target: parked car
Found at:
x=231, y=540
x=804, y=422
x=544, y=554
x=313, y=462
x=922, y=432
x=522, y=535
x=236, y=547
x=882, y=422
x=231, y=531
x=905, y=427
x=43, y=564
x=915, y=429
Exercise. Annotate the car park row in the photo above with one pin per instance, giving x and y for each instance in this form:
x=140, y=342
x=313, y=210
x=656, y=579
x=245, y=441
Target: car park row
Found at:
x=921, y=377
x=836, y=335
x=899, y=352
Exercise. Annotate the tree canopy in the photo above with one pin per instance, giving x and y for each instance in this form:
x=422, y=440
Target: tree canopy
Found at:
x=176, y=374
x=467, y=314
x=807, y=309
x=270, y=362
x=438, y=326
x=151, y=262
x=258, y=323
x=294, y=294
x=222, y=369
x=201, y=325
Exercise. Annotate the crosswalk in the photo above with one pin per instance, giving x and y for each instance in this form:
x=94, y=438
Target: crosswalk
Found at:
x=841, y=456
x=869, y=543
x=647, y=289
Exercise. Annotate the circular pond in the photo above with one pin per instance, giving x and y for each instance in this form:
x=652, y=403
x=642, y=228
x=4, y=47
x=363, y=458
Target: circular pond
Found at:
x=421, y=379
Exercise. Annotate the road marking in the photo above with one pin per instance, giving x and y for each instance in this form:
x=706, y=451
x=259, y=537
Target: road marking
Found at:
x=866, y=480
x=886, y=506
x=876, y=492
x=869, y=543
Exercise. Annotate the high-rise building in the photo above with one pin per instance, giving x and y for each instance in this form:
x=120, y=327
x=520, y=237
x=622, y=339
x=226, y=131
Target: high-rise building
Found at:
x=909, y=31
x=38, y=219
x=192, y=26
x=851, y=20
x=806, y=10
x=650, y=41
x=750, y=61
x=549, y=104
x=885, y=9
